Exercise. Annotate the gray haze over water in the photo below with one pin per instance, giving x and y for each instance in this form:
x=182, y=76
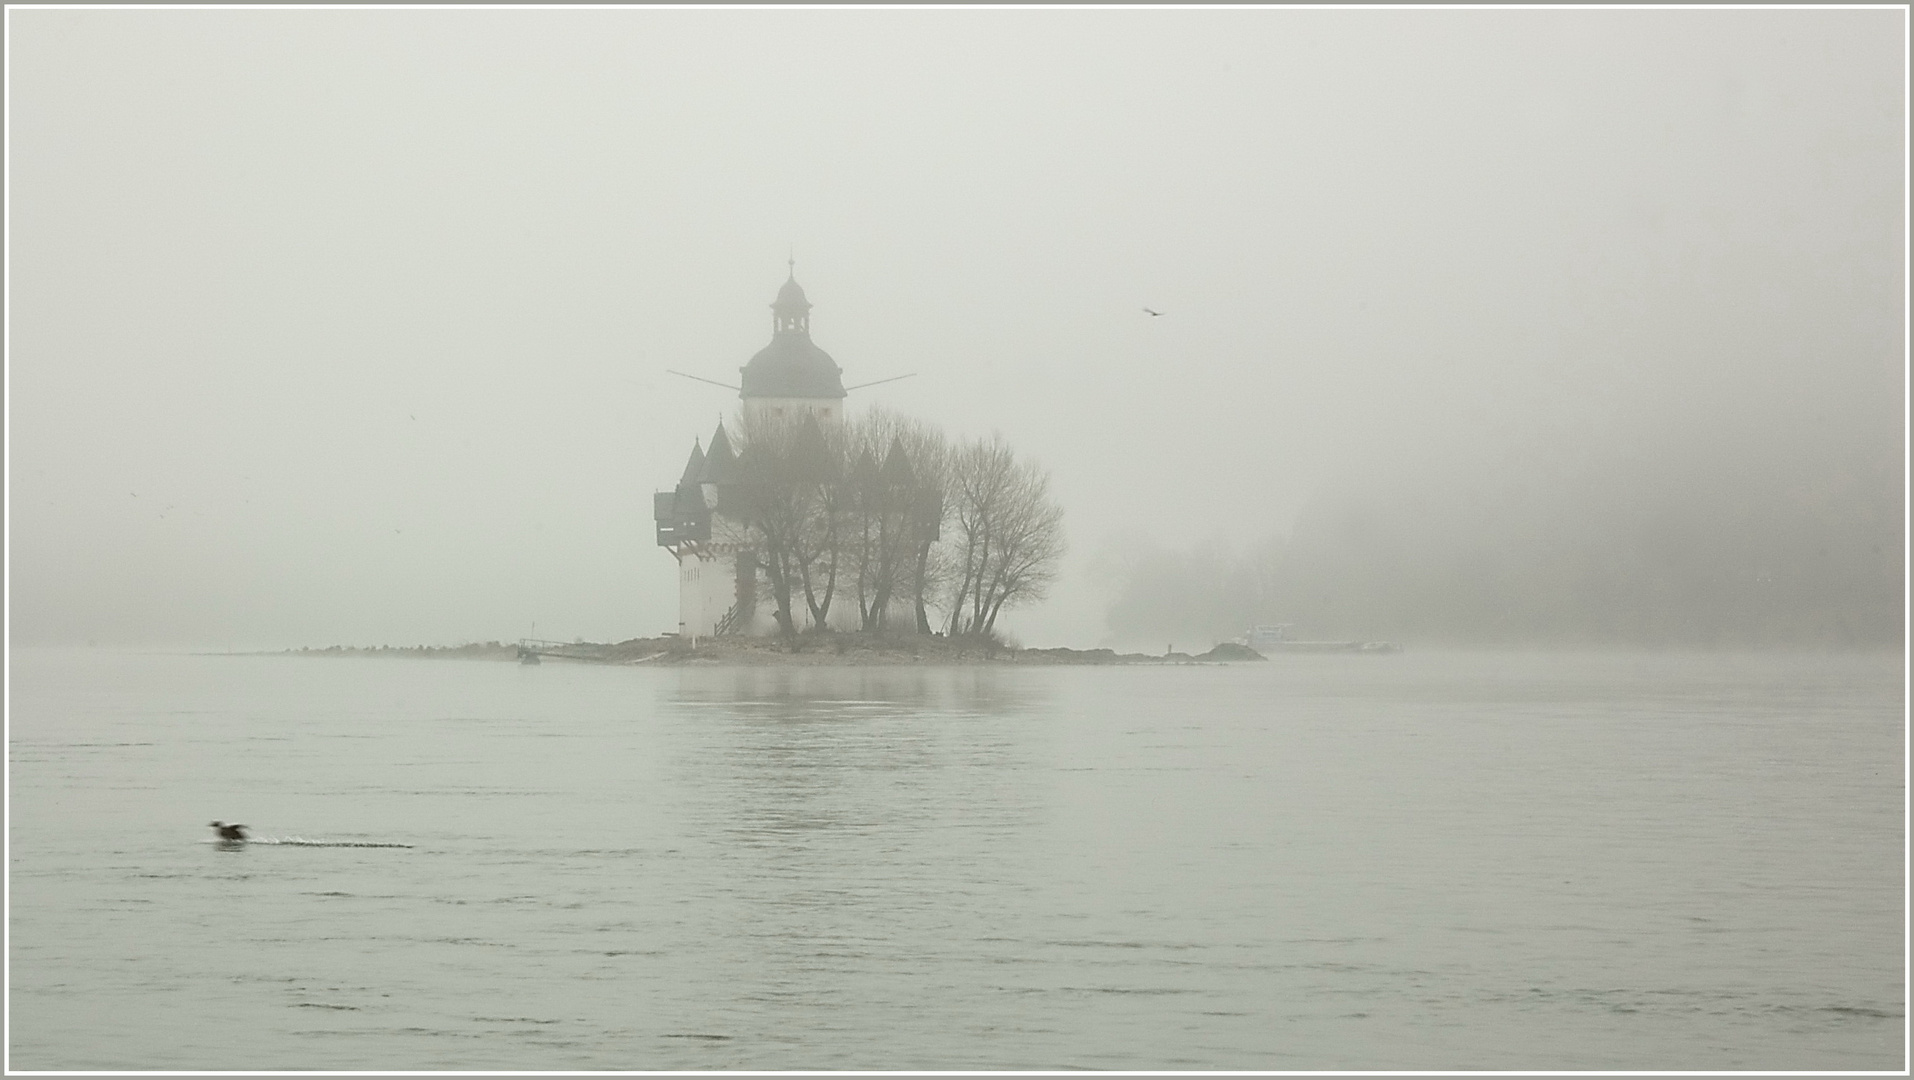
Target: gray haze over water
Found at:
x=1580, y=329
x=352, y=325
x=1423, y=861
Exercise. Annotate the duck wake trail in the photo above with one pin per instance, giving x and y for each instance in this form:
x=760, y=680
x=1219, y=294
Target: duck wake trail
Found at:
x=300, y=841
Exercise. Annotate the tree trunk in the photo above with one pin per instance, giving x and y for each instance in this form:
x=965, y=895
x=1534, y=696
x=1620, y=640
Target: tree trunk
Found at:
x=778, y=571
x=922, y=587
x=874, y=619
x=963, y=591
x=990, y=623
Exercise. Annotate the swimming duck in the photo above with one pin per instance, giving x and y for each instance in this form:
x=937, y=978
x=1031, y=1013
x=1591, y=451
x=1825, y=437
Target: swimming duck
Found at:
x=230, y=832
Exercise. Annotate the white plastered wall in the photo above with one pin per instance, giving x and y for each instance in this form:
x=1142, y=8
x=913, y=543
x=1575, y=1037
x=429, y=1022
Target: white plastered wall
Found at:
x=774, y=407
x=707, y=587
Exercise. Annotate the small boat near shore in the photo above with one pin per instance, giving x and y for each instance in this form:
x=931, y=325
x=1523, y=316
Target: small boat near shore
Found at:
x=1333, y=646
x=1274, y=638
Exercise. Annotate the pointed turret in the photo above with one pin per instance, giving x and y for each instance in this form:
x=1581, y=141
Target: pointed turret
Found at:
x=897, y=464
x=864, y=474
x=810, y=454
x=721, y=463
x=681, y=513
x=694, y=466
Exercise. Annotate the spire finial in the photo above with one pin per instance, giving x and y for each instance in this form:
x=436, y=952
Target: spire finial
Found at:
x=794, y=262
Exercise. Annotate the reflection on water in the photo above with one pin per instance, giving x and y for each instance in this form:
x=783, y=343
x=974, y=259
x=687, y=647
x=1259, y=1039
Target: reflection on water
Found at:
x=1417, y=862
x=785, y=757
x=853, y=822
x=955, y=691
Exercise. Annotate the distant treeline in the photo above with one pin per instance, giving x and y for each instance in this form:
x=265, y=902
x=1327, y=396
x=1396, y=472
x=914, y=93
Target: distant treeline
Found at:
x=1733, y=549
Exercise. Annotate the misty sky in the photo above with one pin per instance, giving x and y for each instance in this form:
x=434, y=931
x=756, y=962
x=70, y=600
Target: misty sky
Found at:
x=352, y=326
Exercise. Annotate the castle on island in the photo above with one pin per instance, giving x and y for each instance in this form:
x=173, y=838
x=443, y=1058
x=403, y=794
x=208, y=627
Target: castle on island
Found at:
x=790, y=379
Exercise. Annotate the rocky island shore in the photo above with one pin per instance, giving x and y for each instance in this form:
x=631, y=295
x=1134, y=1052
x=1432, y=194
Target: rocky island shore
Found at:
x=843, y=649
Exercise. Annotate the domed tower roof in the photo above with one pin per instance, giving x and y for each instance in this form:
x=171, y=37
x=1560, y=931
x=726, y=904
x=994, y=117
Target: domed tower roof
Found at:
x=791, y=366
x=791, y=298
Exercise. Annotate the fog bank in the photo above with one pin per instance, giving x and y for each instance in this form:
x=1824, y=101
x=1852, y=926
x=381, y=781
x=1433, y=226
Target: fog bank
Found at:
x=352, y=326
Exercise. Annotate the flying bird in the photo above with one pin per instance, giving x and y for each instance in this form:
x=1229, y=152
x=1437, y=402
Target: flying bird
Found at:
x=230, y=832
x=1153, y=314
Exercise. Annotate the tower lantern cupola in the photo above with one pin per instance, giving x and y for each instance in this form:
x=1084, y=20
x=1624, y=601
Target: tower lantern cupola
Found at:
x=791, y=312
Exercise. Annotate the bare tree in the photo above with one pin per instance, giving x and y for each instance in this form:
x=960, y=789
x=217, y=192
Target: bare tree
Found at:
x=874, y=530
x=895, y=504
x=1029, y=543
x=927, y=499
x=1008, y=535
x=863, y=507
x=761, y=509
x=787, y=497
x=816, y=470
x=864, y=530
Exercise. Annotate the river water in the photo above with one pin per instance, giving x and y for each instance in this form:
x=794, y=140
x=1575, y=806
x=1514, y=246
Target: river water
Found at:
x=1418, y=861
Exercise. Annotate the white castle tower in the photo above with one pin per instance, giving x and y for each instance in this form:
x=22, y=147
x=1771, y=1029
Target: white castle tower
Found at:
x=717, y=576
